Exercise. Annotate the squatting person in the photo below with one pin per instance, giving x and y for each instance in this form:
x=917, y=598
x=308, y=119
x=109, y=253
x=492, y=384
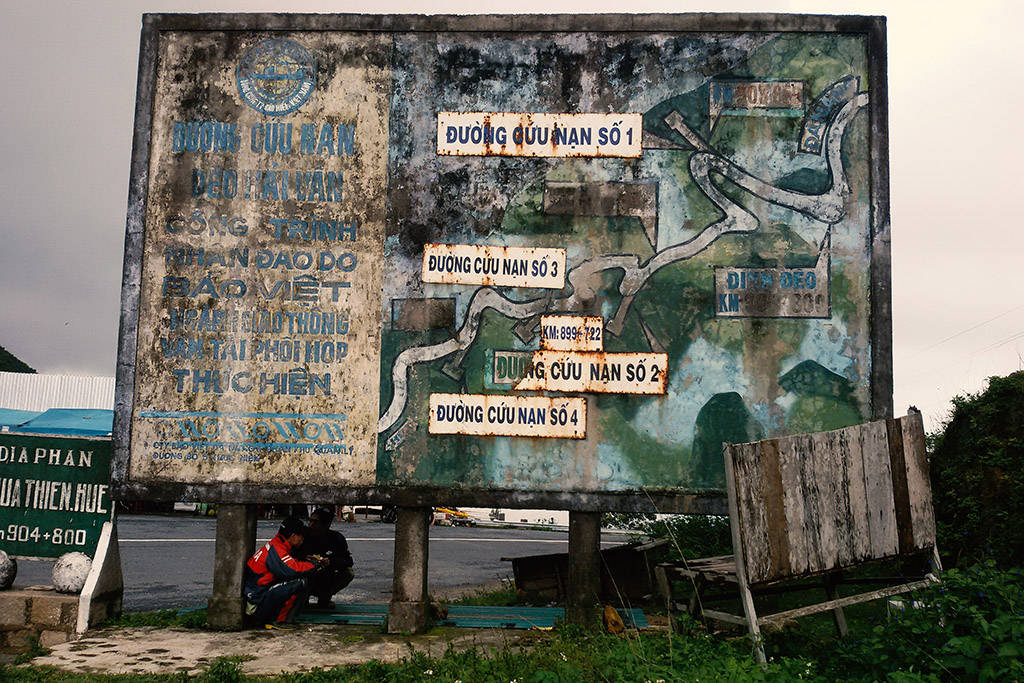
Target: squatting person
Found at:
x=276, y=584
x=331, y=547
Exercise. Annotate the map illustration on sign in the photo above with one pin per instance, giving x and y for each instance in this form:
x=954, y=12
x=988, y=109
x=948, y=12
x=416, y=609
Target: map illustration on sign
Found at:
x=722, y=249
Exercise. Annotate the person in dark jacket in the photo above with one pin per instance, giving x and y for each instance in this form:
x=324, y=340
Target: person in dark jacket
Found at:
x=275, y=583
x=331, y=548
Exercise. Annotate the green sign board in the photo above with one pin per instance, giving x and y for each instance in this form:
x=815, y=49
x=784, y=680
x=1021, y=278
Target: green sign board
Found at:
x=54, y=494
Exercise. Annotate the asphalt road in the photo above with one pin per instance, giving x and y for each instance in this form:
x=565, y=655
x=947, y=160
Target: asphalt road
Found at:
x=167, y=562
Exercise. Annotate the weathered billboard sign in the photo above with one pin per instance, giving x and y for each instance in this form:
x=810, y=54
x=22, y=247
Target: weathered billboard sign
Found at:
x=383, y=256
x=54, y=494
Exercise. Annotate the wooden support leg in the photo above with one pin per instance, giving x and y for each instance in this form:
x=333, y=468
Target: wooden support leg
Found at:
x=664, y=586
x=737, y=546
x=695, y=607
x=837, y=613
x=755, y=631
x=936, y=562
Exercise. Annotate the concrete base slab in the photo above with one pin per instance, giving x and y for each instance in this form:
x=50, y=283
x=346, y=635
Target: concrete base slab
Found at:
x=156, y=650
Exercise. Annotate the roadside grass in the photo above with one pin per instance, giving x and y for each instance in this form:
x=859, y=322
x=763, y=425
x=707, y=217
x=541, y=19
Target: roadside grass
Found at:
x=970, y=627
x=166, y=618
x=500, y=597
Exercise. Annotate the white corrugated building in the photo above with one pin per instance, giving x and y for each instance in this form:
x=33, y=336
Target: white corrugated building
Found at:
x=29, y=391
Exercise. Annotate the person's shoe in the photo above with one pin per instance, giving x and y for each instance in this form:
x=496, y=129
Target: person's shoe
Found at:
x=281, y=626
x=324, y=603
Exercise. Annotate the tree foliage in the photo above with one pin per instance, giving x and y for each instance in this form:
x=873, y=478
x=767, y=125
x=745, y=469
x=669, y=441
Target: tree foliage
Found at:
x=9, y=363
x=977, y=470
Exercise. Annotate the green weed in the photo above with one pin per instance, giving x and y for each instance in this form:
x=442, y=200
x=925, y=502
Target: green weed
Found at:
x=35, y=649
x=168, y=618
x=970, y=628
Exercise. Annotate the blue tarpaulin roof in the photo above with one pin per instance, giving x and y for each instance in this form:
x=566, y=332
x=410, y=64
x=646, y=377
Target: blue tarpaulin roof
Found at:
x=9, y=419
x=83, y=421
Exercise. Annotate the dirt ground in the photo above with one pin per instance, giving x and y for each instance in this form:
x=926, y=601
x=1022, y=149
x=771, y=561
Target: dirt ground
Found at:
x=169, y=650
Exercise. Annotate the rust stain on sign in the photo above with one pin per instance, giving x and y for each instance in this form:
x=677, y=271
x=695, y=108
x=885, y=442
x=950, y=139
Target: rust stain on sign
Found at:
x=743, y=96
x=597, y=372
x=500, y=415
x=471, y=264
x=517, y=134
x=571, y=333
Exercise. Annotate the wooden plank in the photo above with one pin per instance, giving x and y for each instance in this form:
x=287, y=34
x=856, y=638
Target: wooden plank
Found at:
x=812, y=503
x=844, y=602
x=791, y=471
x=735, y=528
x=664, y=587
x=775, y=511
x=753, y=522
x=918, y=482
x=689, y=575
x=739, y=548
x=878, y=488
x=837, y=459
x=860, y=531
x=715, y=562
x=900, y=493
x=724, y=616
x=828, y=510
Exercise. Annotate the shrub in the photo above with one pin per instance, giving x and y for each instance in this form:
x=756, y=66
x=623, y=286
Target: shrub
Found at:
x=969, y=627
x=690, y=536
x=977, y=470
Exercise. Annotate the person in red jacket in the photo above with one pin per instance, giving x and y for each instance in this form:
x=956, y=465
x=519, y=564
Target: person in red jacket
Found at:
x=276, y=585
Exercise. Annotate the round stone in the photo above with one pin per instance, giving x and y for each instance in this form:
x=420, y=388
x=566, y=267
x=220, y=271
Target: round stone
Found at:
x=8, y=570
x=70, y=572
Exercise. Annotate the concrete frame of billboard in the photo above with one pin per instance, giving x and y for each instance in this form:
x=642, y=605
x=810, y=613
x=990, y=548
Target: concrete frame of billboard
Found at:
x=585, y=506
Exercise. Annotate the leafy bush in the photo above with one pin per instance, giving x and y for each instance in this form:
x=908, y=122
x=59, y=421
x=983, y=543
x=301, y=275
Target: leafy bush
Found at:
x=969, y=627
x=977, y=469
x=690, y=536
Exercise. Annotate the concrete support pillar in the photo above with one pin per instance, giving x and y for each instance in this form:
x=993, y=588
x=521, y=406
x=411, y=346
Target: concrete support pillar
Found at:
x=583, y=606
x=236, y=542
x=409, y=611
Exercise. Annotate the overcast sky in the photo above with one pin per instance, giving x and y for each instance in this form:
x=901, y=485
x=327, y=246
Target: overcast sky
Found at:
x=67, y=94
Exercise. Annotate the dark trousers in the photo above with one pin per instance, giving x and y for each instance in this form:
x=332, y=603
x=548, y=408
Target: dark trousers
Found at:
x=325, y=584
x=282, y=601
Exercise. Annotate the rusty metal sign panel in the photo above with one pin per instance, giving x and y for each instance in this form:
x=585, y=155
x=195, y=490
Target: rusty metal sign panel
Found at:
x=371, y=257
x=596, y=372
x=738, y=98
x=496, y=266
x=571, y=333
x=499, y=415
x=539, y=135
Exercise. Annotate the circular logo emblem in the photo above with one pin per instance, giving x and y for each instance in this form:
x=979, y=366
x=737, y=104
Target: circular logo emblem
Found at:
x=276, y=76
